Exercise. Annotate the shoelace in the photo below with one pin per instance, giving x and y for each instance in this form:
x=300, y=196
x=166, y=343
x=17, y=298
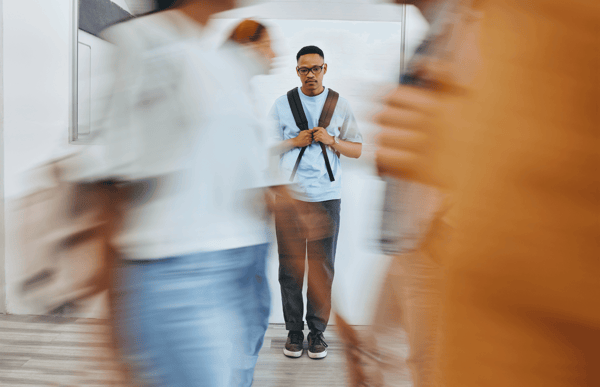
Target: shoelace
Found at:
x=296, y=339
x=319, y=339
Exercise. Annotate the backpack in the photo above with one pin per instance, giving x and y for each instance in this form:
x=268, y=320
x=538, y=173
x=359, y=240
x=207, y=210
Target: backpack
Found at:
x=302, y=123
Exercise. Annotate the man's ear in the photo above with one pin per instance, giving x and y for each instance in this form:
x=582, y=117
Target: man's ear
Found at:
x=297, y=73
x=325, y=69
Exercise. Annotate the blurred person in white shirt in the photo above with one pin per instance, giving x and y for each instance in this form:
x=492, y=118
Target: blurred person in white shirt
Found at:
x=191, y=301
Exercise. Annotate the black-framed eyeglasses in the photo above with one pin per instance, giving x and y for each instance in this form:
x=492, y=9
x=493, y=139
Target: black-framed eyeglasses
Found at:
x=315, y=70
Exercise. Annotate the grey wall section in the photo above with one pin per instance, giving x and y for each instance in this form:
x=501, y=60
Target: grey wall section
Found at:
x=96, y=15
x=2, y=246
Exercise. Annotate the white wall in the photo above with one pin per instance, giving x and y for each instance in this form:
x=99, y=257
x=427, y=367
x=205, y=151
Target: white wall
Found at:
x=36, y=74
x=2, y=249
x=363, y=62
x=94, y=82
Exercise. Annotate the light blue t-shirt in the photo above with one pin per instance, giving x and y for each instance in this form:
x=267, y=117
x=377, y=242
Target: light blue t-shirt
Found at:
x=311, y=183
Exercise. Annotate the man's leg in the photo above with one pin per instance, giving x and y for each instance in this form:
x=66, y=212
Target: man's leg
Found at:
x=254, y=290
x=202, y=318
x=321, y=258
x=292, y=248
x=258, y=306
x=179, y=325
x=416, y=279
x=131, y=323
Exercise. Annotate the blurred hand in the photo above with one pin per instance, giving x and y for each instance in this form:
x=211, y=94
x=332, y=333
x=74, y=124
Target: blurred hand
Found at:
x=409, y=135
x=320, y=135
x=301, y=217
x=315, y=221
x=303, y=139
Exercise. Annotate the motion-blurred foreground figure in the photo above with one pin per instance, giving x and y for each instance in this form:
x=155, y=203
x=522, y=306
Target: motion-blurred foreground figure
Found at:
x=191, y=301
x=410, y=299
x=517, y=150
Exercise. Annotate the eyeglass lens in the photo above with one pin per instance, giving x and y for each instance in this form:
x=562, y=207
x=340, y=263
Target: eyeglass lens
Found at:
x=315, y=70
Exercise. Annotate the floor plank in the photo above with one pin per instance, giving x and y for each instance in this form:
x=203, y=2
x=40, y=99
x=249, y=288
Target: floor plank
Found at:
x=40, y=351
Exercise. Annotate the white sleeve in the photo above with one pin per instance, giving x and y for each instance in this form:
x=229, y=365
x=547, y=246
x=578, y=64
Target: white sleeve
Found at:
x=272, y=173
x=349, y=130
x=274, y=124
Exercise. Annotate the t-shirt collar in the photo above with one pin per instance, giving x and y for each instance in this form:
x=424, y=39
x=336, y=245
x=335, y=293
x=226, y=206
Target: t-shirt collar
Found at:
x=313, y=96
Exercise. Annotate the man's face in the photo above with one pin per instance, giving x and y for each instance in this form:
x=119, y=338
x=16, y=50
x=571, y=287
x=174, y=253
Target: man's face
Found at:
x=311, y=81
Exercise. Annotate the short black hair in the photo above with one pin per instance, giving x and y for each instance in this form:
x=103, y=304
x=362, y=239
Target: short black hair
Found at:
x=309, y=50
x=161, y=5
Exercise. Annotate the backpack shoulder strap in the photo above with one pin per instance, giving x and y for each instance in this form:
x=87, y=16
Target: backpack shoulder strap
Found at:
x=297, y=110
x=302, y=123
x=324, y=121
x=328, y=109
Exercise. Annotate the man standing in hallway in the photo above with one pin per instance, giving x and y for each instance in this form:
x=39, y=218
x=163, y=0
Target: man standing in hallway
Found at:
x=310, y=149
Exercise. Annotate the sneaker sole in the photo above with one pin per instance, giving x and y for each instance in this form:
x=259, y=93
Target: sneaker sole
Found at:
x=317, y=355
x=292, y=354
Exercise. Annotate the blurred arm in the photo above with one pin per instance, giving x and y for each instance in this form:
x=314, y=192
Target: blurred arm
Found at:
x=409, y=136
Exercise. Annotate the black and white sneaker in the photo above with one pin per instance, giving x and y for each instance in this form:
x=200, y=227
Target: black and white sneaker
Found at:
x=317, y=347
x=294, y=345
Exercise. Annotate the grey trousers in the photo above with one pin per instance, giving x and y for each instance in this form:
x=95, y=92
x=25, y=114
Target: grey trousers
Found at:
x=293, y=253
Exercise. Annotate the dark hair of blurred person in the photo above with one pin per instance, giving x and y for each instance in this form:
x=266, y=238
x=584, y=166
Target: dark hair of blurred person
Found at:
x=254, y=35
x=161, y=5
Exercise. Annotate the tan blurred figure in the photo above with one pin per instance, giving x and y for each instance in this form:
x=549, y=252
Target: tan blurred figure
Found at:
x=517, y=149
x=408, y=310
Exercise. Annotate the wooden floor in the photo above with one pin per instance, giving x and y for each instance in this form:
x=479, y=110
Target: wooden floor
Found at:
x=50, y=351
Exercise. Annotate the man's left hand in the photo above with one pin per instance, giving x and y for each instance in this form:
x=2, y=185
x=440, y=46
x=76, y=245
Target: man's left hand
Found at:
x=321, y=135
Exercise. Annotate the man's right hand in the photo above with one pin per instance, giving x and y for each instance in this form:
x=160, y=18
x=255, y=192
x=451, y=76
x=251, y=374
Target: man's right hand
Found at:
x=304, y=138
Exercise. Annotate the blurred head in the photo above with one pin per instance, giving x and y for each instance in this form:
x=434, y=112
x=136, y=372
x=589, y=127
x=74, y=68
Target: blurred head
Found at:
x=254, y=35
x=161, y=5
x=311, y=68
x=197, y=9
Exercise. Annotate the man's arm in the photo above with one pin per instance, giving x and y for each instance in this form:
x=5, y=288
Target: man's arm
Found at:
x=350, y=139
x=347, y=148
x=303, y=139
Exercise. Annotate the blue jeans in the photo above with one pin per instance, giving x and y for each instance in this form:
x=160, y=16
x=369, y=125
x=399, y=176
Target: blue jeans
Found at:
x=195, y=320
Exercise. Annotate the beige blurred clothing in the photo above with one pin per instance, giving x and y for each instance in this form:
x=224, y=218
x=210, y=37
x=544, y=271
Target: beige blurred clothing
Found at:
x=522, y=273
x=411, y=302
x=411, y=294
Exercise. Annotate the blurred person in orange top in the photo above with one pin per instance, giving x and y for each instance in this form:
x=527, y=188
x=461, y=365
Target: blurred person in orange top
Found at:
x=516, y=148
x=410, y=297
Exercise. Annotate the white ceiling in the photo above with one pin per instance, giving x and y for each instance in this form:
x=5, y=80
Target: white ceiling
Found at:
x=358, y=10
